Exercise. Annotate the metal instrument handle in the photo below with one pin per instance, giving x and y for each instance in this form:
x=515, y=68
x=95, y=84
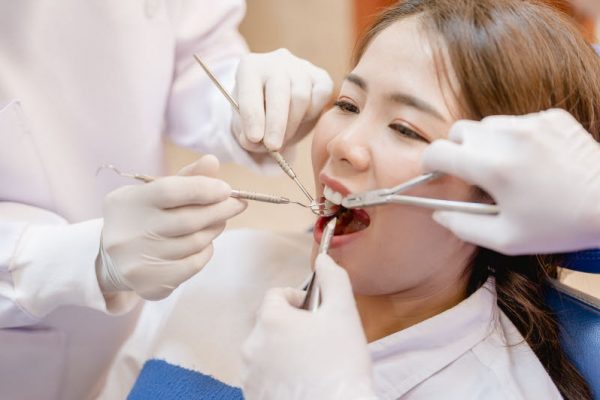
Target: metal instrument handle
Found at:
x=266, y=198
x=419, y=180
x=446, y=205
x=313, y=291
x=283, y=164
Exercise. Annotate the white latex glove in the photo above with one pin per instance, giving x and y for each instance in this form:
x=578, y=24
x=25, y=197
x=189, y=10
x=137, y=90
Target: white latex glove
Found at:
x=542, y=169
x=280, y=97
x=294, y=354
x=159, y=234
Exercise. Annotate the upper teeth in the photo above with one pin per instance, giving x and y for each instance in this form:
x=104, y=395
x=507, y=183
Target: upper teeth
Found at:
x=332, y=196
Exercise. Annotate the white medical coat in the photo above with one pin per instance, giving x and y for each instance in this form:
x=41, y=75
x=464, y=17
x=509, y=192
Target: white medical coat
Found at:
x=83, y=83
x=471, y=351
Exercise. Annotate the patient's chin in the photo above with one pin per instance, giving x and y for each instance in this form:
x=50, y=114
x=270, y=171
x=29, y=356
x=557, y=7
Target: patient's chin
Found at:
x=363, y=279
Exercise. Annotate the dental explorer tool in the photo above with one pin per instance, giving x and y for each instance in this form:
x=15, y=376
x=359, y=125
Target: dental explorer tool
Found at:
x=313, y=292
x=283, y=164
x=317, y=208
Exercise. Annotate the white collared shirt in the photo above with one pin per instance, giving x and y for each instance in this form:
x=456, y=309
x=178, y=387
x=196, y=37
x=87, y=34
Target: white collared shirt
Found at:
x=458, y=354
x=471, y=351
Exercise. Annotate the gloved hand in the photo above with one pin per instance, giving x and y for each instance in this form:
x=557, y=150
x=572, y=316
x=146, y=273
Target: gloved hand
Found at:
x=294, y=354
x=159, y=234
x=542, y=169
x=280, y=97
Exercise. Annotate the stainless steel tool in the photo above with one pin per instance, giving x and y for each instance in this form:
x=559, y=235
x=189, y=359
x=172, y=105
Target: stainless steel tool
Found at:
x=317, y=208
x=392, y=196
x=313, y=292
x=283, y=164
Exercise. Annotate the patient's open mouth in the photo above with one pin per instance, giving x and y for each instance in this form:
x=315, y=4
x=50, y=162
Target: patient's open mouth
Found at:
x=349, y=221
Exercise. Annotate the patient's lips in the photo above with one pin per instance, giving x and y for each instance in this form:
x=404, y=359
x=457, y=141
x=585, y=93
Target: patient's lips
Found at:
x=349, y=223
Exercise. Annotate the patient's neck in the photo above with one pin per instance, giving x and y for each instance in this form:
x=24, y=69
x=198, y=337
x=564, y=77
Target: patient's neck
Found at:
x=384, y=315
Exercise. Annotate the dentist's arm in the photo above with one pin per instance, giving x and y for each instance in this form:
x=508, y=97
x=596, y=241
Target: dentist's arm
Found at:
x=295, y=354
x=543, y=170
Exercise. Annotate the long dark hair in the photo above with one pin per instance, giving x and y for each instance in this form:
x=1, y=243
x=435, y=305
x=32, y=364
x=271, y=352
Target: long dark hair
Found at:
x=512, y=57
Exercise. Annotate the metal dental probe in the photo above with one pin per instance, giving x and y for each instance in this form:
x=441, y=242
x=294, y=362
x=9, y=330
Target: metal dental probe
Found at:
x=238, y=194
x=265, y=198
x=283, y=164
x=313, y=292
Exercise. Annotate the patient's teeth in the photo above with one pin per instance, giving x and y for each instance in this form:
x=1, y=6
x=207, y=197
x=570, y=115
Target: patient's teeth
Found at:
x=332, y=196
x=336, y=198
x=328, y=193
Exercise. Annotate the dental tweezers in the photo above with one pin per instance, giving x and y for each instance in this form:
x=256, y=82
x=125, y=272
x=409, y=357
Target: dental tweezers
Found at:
x=392, y=196
x=313, y=292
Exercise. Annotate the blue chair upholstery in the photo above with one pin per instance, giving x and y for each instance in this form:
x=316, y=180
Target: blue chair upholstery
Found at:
x=579, y=316
x=584, y=261
x=161, y=380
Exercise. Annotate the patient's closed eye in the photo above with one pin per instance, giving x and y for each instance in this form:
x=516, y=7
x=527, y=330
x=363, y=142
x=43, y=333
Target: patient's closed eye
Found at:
x=407, y=132
x=347, y=106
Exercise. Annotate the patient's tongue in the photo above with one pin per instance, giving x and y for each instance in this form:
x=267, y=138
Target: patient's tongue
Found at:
x=351, y=221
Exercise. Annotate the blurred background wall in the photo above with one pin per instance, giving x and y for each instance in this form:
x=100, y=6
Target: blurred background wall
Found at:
x=324, y=32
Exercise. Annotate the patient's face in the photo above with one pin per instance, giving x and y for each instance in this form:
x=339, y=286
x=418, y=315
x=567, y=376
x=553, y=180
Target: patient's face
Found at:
x=389, y=108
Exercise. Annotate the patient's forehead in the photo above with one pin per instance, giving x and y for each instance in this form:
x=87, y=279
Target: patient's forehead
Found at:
x=403, y=58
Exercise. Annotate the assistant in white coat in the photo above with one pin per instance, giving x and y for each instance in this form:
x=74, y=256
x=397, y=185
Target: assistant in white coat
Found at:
x=82, y=84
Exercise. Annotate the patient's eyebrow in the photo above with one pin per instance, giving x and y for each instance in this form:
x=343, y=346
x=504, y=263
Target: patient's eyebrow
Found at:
x=417, y=103
x=402, y=98
x=357, y=80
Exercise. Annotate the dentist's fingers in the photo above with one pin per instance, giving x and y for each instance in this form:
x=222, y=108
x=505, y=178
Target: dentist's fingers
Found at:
x=184, y=246
x=277, y=103
x=280, y=98
x=280, y=300
x=207, y=165
x=188, y=220
x=157, y=283
x=336, y=289
x=178, y=191
x=444, y=156
x=322, y=89
x=472, y=228
x=157, y=235
x=251, y=101
x=299, y=107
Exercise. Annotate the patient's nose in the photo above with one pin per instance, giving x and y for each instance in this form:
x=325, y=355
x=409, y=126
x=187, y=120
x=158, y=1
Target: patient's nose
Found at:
x=351, y=146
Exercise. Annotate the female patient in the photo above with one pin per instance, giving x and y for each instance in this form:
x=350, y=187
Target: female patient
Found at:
x=444, y=318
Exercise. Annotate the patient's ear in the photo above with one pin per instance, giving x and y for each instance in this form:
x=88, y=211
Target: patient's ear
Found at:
x=207, y=165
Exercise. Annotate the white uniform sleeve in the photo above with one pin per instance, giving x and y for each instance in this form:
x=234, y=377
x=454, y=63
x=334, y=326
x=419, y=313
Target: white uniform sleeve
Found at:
x=46, y=263
x=198, y=116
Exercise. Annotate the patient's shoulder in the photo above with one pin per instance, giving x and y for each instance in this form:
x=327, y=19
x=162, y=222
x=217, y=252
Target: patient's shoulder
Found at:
x=509, y=362
x=489, y=372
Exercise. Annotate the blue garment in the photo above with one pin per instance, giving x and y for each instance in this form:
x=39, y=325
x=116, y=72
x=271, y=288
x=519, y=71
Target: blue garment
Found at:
x=584, y=261
x=161, y=380
x=579, y=318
